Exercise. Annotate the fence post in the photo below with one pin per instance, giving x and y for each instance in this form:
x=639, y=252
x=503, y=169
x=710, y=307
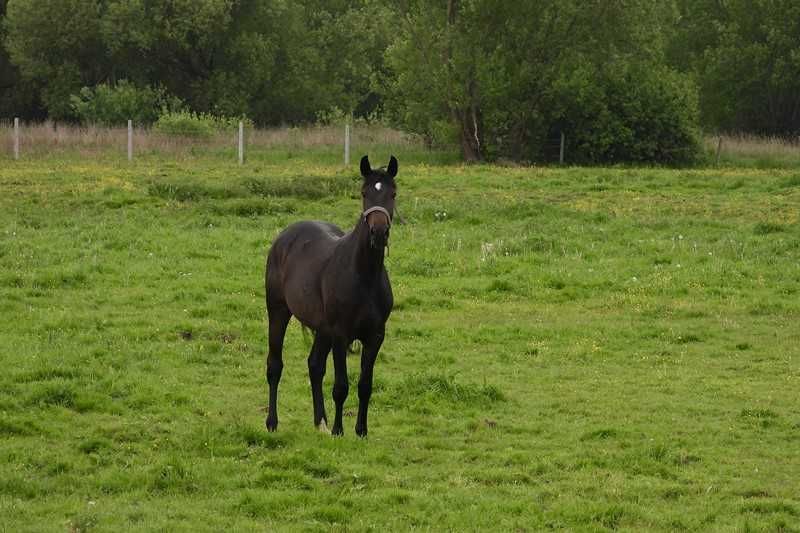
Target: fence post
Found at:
x=719, y=149
x=561, y=151
x=16, y=137
x=130, y=140
x=347, y=144
x=241, y=142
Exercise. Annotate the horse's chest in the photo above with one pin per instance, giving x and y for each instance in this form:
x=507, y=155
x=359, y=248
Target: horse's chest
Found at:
x=357, y=316
x=368, y=316
x=363, y=311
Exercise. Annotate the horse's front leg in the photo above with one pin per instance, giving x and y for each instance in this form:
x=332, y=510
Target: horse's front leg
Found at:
x=340, y=384
x=369, y=354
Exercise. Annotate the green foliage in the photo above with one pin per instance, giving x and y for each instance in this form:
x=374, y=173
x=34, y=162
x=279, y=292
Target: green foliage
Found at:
x=198, y=125
x=186, y=123
x=416, y=93
x=275, y=61
x=114, y=105
x=58, y=47
x=746, y=56
x=592, y=70
x=17, y=96
x=627, y=112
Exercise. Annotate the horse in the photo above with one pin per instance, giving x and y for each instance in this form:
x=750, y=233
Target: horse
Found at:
x=336, y=285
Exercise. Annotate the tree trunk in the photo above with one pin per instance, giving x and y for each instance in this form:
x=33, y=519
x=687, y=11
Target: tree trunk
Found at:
x=468, y=133
x=465, y=117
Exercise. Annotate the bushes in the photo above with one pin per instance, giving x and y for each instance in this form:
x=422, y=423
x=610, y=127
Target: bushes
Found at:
x=114, y=105
x=185, y=123
x=200, y=125
x=627, y=112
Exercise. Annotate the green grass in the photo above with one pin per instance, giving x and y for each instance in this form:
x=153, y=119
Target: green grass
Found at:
x=577, y=348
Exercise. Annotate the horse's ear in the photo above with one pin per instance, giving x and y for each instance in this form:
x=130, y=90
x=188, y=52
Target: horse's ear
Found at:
x=391, y=170
x=366, y=170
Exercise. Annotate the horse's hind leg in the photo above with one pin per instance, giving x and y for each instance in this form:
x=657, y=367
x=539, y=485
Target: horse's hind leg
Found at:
x=317, y=360
x=340, y=384
x=279, y=316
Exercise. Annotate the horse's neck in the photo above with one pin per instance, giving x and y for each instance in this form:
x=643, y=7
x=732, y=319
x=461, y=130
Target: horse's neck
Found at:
x=368, y=261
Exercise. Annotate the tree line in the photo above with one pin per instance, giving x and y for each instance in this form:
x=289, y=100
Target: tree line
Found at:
x=627, y=80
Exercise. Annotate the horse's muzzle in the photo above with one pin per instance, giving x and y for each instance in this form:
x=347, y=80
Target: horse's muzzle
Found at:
x=379, y=221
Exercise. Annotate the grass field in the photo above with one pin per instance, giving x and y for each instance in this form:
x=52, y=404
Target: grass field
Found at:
x=576, y=348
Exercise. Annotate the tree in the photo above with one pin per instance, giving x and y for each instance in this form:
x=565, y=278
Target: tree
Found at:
x=17, y=98
x=501, y=78
x=178, y=44
x=275, y=61
x=745, y=55
x=57, y=47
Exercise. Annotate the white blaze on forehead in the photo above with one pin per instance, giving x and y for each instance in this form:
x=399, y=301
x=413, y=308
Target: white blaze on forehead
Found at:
x=378, y=186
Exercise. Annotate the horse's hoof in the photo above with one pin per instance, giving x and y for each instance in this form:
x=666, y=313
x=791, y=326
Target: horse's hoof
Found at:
x=272, y=425
x=361, y=431
x=323, y=427
x=337, y=431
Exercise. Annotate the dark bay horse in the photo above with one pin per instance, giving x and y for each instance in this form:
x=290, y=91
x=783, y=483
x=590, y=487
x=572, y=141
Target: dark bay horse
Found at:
x=335, y=284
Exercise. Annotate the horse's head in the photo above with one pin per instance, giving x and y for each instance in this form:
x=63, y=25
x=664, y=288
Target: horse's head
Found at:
x=377, y=193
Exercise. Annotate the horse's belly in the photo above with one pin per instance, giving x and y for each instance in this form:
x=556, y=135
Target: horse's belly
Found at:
x=304, y=303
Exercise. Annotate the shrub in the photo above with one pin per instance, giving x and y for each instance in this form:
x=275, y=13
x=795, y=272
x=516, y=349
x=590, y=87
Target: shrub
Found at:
x=627, y=112
x=186, y=123
x=114, y=105
x=198, y=125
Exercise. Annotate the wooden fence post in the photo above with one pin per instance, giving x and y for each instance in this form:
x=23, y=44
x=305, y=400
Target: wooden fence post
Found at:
x=16, y=137
x=347, y=144
x=130, y=140
x=561, y=151
x=241, y=142
x=719, y=149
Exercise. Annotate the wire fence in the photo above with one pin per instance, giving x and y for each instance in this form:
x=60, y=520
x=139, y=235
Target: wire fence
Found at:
x=19, y=140
x=31, y=140
x=554, y=148
x=753, y=147
x=726, y=149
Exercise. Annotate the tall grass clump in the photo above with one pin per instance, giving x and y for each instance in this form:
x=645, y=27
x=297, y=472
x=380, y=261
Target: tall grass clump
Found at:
x=748, y=150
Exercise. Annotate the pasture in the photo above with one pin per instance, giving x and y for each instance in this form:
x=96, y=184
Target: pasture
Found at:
x=571, y=348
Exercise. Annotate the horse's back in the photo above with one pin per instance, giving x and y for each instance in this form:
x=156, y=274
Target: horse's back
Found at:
x=307, y=238
x=294, y=264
